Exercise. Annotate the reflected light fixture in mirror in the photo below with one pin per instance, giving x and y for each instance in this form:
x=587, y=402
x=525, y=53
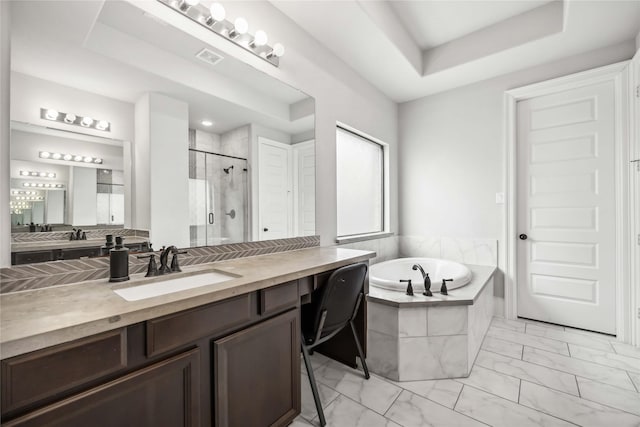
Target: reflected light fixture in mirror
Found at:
x=73, y=119
x=70, y=157
x=214, y=19
x=42, y=185
x=40, y=174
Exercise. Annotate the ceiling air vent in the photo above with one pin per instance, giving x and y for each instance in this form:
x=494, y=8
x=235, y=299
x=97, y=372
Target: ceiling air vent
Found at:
x=209, y=56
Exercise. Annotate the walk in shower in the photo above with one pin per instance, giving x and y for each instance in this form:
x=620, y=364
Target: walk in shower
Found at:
x=217, y=198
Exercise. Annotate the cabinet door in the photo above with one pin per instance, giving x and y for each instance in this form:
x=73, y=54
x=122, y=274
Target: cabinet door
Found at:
x=163, y=394
x=257, y=374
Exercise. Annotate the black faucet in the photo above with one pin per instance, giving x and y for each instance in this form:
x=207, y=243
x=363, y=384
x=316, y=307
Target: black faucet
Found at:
x=77, y=234
x=443, y=289
x=427, y=281
x=409, y=287
x=164, y=258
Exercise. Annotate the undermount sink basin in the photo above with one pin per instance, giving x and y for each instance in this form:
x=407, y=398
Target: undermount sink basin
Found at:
x=164, y=287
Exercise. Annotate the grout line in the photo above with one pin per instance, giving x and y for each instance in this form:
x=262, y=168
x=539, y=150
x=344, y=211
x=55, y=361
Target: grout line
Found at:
x=458, y=398
x=546, y=413
x=522, y=355
x=392, y=403
x=575, y=377
x=463, y=414
x=569, y=350
x=605, y=404
x=519, y=390
x=637, y=387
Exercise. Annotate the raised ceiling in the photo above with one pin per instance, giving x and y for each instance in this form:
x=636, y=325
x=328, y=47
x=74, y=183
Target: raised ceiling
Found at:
x=411, y=49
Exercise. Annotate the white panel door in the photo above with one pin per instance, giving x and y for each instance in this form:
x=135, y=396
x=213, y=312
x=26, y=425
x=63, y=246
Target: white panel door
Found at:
x=305, y=188
x=566, y=208
x=274, y=188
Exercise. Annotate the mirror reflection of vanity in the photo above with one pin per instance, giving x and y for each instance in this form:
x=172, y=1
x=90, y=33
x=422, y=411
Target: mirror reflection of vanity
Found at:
x=205, y=152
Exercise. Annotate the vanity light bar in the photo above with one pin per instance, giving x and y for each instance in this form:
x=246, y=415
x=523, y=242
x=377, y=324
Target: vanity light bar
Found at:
x=70, y=157
x=42, y=185
x=29, y=198
x=39, y=174
x=29, y=193
x=214, y=19
x=72, y=119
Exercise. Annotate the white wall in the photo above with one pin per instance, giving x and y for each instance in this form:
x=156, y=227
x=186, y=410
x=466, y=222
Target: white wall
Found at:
x=5, y=73
x=84, y=208
x=161, y=164
x=55, y=207
x=29, y=94
x=452, y=152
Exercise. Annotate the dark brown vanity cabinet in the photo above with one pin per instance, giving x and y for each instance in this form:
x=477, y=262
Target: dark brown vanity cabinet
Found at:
x=234, y=362
x=257, y=374
x=163, y=394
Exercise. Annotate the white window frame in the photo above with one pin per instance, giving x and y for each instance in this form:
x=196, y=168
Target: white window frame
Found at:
x=386, y=212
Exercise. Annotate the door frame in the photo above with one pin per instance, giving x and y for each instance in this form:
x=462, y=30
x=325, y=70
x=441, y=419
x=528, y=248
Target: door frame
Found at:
x=619, y=74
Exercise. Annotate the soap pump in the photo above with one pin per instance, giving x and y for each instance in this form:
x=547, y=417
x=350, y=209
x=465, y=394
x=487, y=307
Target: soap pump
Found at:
x=119, y=262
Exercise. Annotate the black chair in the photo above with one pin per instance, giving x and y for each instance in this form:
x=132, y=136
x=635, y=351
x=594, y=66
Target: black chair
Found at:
x=333, y=306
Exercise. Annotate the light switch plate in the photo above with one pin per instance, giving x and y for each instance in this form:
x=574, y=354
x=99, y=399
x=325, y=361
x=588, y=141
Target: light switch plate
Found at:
x=499, y=198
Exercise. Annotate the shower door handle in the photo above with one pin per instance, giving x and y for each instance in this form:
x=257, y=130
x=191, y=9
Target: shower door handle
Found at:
x=211, y=218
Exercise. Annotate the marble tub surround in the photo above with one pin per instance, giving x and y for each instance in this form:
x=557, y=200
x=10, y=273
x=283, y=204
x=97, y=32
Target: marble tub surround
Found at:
x=466, y=295
x=502, y=390
x=41, y=318
x=430, y=338
x=43, y=275
x=467, y=251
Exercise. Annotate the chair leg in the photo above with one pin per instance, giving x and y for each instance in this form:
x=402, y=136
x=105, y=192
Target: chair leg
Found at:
x=314, y=387
x=359, y=347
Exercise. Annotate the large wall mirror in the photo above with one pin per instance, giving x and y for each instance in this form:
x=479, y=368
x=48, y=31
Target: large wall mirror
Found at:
x=248, y=138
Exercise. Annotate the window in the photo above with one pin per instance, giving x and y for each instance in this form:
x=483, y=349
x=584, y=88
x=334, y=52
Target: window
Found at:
x=360, y=164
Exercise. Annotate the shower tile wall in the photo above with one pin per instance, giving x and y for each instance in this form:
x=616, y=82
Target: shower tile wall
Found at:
x=235, y=143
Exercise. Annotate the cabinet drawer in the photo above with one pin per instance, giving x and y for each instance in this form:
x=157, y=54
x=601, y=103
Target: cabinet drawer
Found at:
x=31, y=377
x=168, y=332
x=278, y=298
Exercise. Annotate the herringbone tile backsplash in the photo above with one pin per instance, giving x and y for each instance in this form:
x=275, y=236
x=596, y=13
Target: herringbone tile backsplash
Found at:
x=43, y=275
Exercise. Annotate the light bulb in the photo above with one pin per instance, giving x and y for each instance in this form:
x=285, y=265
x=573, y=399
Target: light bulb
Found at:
x=70, y=118
x=51, y=175
x=278, y=50
x=45, y=154
x=240, y=26
x=43, y=174
x=217, y=12
x=33, y=173
x=186, y=4
x=67, y=157
x=78, y=158
x=24, y=173
x=260, y=38
x=58, y=185
x=102, y=125
x=88, y=159
x=51, y=114
x=86, y=121
x=56, y=156
x=98, y=161
x=26, y=184
x=40, y=185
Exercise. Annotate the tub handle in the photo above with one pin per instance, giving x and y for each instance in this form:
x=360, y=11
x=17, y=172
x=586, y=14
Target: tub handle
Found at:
x=409, y=287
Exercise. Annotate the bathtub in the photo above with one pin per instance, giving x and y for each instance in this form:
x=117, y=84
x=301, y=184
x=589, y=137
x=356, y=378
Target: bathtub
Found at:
x=387, y=274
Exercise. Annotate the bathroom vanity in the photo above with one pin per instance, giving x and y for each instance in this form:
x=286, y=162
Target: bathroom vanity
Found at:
x=225, y=354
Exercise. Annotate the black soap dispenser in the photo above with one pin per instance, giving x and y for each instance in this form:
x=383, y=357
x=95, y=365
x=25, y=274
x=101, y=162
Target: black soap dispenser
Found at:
x=119, y=262
x=108, y=245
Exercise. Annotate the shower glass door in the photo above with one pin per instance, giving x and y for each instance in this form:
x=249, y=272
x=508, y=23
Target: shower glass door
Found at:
x=217, y=199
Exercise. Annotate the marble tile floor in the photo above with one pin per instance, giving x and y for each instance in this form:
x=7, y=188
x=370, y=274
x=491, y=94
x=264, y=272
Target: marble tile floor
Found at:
x=526, y=374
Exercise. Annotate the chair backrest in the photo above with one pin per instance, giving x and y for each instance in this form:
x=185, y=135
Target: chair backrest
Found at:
x=338, y=297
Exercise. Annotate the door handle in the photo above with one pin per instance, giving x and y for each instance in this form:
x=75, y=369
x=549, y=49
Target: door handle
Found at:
x=523, y=236
x=265, y=229
x=211, y=218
